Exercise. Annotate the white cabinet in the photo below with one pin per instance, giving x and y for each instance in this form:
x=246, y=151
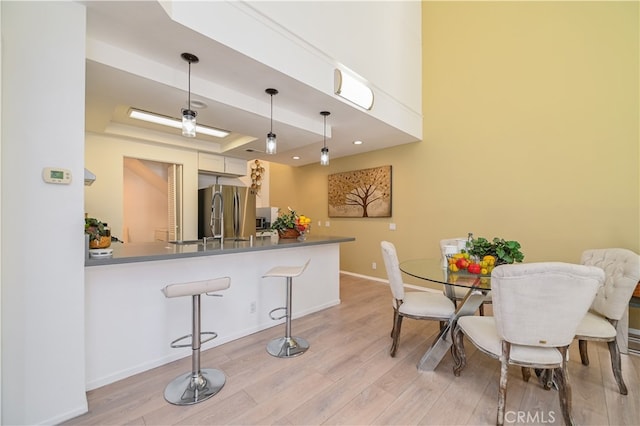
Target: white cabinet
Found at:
x=235, y=166
x=218, y=164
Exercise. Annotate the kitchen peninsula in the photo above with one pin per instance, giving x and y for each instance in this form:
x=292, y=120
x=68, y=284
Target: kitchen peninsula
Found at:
x=129, y=323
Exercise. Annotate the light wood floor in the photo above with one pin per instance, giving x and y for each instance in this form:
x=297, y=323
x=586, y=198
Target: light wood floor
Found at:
x=348, y=378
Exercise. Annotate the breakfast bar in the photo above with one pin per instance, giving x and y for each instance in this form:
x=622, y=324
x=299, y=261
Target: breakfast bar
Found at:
x=129, y=323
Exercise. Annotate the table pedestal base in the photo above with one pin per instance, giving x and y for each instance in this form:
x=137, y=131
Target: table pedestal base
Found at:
x=443, y=342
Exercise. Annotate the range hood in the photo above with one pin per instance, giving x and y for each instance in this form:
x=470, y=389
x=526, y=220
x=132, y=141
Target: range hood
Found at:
x=89, y=177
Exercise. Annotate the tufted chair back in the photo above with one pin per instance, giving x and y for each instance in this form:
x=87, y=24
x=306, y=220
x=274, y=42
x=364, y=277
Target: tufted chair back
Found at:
x=392, y=265
x=622, y=273
x=541, y=304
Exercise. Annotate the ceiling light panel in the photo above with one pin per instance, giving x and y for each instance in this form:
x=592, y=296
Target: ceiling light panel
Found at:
x=172, y=122
x=352, y=89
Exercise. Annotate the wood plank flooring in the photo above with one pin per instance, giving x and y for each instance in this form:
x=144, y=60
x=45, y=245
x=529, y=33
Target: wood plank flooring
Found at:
x=348, y=378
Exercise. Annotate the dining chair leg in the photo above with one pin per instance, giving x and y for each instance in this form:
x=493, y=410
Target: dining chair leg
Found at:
x=564, y=388
x=395, y=318
x=546, y=377
x=396, y=334
x=616, y=365
x=502, y=393
x=584, y=356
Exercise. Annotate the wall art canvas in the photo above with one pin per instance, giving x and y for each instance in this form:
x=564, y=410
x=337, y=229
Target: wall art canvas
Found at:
x=361, y=193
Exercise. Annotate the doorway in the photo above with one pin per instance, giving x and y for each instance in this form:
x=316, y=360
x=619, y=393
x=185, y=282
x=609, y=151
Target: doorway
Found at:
x=152, y=201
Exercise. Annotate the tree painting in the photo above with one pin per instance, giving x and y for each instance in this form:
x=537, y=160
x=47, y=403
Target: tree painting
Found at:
x=361, y=193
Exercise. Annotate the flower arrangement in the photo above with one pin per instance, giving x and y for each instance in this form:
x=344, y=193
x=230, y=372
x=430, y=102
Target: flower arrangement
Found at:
x=291, y=223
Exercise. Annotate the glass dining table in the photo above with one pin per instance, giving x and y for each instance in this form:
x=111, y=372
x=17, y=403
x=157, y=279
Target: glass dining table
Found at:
x=433, y=270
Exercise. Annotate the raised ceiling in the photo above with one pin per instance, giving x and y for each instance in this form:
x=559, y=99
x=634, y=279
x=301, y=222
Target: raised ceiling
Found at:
x=133, y=60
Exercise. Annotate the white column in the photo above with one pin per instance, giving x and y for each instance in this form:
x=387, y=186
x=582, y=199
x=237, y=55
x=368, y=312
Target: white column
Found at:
x=43, y=74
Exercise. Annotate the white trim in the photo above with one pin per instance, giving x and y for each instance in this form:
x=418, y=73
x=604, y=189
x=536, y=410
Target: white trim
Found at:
x=382, y=280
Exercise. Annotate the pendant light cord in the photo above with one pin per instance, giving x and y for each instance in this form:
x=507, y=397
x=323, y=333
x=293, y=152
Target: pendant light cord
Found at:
x=189, y=100
x=324, y=132
x=271, y=131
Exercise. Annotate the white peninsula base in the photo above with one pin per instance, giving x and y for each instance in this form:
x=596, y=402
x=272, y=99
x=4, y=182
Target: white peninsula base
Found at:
x=129, y=322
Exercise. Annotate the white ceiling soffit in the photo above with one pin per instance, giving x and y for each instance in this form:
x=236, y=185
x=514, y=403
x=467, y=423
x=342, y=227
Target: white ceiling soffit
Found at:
x=133, y=61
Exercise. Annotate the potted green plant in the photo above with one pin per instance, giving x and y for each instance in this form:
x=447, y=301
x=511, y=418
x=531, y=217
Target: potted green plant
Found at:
x=99, y=233
x=504, y=251
x=289, y=224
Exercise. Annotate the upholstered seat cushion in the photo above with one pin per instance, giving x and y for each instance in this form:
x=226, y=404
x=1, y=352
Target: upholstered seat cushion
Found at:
x=595, y=326
x=426, y=304
x=196, y=287
x=286, y=271
x=483, y=334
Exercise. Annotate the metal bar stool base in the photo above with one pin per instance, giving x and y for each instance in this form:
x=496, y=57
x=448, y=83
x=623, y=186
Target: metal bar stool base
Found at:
x=188, y=389
x=287, y=347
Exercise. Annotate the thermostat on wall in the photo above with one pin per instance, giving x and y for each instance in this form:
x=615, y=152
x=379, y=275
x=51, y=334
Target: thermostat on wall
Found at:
x=56, y=175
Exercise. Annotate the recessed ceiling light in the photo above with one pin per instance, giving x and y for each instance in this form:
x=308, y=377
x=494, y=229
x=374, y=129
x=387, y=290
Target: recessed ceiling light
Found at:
x=295, y=157
x=357, y=142
x=198, y=104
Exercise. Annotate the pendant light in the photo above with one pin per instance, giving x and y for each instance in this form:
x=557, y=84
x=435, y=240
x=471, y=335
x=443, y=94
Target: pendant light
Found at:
x=324, y=152
x=188, y=115
x=271, y=137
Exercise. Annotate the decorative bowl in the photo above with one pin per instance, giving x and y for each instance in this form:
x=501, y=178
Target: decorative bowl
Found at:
x=288, y=233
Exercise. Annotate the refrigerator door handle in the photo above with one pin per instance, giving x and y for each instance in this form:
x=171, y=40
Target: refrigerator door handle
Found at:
x=236, y=215
x=217, y=215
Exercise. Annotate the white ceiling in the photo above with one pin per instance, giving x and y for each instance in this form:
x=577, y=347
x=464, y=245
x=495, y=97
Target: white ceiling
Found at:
x=141, y=32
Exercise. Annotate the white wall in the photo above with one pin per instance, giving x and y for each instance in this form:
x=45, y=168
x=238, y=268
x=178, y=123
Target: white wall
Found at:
x=306, y=40
x=43, y=375
x=373, y=38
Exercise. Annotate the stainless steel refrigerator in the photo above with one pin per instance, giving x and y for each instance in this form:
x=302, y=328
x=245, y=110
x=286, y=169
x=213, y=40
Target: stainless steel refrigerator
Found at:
x=226, y=212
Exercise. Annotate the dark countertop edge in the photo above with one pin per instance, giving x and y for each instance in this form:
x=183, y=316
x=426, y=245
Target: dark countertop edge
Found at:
x=150, y=257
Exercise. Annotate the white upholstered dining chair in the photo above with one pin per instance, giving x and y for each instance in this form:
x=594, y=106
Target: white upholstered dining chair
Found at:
x=421, y=305
x=537, y=308
x=456, y=293
x=622, y=273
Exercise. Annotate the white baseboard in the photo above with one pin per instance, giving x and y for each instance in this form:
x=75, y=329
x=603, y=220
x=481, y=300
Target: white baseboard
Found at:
x=381, y=280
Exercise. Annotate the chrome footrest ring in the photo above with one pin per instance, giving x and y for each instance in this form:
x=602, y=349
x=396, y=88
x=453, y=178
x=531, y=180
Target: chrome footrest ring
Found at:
x=286, y=314
x=190, y=344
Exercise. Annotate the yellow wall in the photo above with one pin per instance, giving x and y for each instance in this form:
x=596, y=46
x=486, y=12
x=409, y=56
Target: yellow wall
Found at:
x=530, y=133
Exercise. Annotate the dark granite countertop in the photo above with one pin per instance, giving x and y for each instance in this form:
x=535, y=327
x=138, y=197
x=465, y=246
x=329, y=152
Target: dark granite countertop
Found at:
x=146, y=252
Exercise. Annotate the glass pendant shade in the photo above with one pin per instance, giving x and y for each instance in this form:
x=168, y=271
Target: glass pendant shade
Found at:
x=324, y=156
x=271, y=137
x=324, y=152
x=188, y=115
x=189, y=123
x=271, y=143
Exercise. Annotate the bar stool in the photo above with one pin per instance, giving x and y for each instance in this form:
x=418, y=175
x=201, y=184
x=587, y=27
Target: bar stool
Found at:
x=287, y=346
x=199, y=384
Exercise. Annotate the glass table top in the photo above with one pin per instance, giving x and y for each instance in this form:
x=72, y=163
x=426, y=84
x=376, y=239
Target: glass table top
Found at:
x=433, y=270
